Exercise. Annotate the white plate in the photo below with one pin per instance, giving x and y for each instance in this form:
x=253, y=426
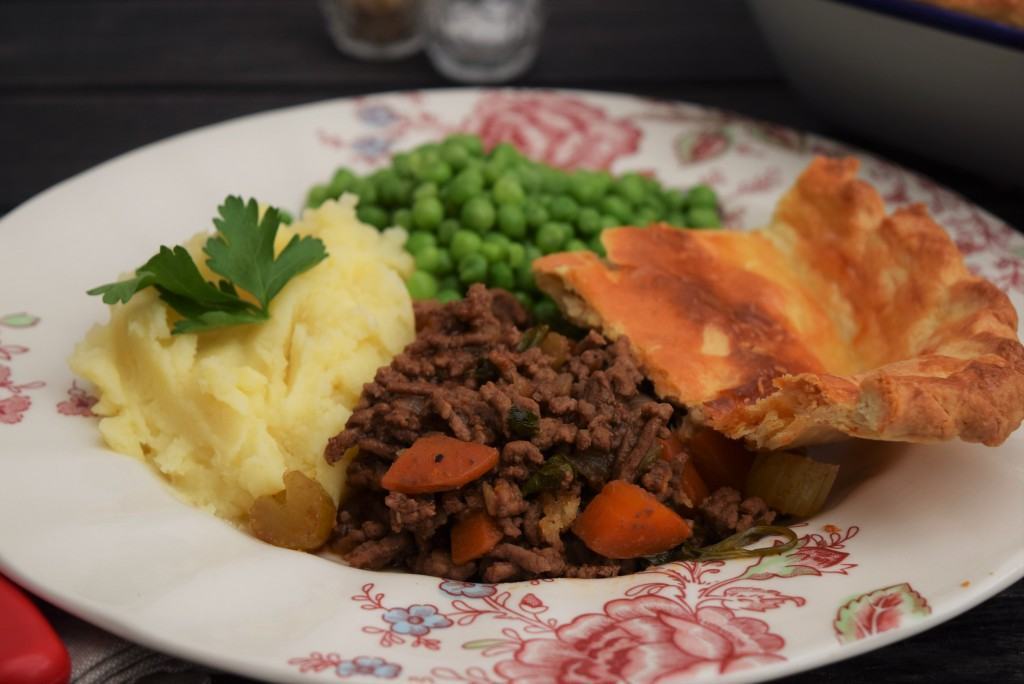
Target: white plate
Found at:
x=913, y=536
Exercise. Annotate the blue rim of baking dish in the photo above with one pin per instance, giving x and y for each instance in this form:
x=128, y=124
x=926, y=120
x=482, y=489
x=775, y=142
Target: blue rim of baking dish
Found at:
x=945, y=19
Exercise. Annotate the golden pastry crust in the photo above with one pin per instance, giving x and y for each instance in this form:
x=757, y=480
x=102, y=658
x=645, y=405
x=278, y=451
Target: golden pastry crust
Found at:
x=837, y=320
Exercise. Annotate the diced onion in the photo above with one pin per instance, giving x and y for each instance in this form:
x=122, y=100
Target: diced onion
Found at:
x=791, y=483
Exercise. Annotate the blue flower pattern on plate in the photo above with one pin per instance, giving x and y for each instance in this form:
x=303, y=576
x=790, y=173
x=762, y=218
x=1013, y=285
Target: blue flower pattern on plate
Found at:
x=365, y=665
x=372, y=147
x=378, y=116
x=416, y=620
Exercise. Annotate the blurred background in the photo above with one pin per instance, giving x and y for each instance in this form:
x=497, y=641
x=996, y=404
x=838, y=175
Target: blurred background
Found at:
x=85, y=80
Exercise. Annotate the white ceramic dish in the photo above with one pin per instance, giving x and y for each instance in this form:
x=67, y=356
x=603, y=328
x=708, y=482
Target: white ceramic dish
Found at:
x=101, y=536
x=930, y=81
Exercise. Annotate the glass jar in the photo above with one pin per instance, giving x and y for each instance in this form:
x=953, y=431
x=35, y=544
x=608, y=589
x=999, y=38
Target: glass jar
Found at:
x=374, y=29
x=483, y=41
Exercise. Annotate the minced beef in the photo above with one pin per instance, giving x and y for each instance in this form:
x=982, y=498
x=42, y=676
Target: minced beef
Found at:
x=473, y=372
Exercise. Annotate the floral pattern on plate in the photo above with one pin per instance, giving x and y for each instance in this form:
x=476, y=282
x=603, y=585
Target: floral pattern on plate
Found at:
x=675, y=621
x=14, y=402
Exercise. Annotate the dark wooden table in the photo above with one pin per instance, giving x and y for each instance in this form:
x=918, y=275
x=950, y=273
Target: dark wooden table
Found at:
x=82, y=81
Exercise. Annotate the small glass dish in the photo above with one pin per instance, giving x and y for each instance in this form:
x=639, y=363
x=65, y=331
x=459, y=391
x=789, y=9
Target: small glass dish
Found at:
x=374, y=29
x=483, y=41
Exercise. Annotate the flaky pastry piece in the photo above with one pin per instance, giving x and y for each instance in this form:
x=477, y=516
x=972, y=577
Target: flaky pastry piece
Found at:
x=837, y=320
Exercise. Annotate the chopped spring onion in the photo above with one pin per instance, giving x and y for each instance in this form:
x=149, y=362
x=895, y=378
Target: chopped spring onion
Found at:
x=735, y=546
x=551, y=475
x=732, y=547
x=522, y=423
x=532, y=337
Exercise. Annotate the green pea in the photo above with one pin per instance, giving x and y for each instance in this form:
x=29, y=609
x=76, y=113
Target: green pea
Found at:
x=402, y=217
x=445, y=262
x=545, y=311
x=702, y=217
x=551, y=236
x=576, y=245
x=455, y=154
x=431, y=151
x=516, y=254
x=341, y=182
x=632, y=186
x=507, y=190
x=400, y=163
x=530, y=177
x=427, y=213
x=512, y=221
x=478, y=214
x=421, y=285
x=525, y=300
x=366, y=191
x=445, y=296
x=446, y=231
x=429, y=259
x=317, y=195
x=588, y=187
x=616, y=206
x=655, y=204
x=525, y=281
x=424, y=190
x=502, y=276
x=473, y=268
x=492, y=251
x=674, y=199
x=464, y=243
x=564, y=208
x=589, y=221
x=496, y=238
x=702, y=196
x=597, y=246
x=493, y=170
x=608, y=221
x=417, y=240
x=532, y=253
x=505, y=153
x=373, y=215
x=471, y=142
x=676, y=218
x=535, y=214
x=392, y=190
x=435, y=172
x=449, y=282
x=556, y=182
x=644, y=217
x=468, y=184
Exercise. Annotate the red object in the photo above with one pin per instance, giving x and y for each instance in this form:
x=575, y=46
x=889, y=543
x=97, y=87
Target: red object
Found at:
x=626, y=521
x=437, y=463
x=30, y=651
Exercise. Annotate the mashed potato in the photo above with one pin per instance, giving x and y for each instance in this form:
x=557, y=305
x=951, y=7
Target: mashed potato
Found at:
x=223, y=414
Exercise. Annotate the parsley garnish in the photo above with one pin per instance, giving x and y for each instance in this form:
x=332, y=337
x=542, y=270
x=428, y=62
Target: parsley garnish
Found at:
x=242, y=252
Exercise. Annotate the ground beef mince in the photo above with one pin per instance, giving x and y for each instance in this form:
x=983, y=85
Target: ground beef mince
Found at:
x=478, y=372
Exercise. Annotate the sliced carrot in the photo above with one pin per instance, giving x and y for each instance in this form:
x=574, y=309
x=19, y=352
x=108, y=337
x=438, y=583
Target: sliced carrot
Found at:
x=473, y=536
x=721, y=462
x=436, y=463
x=692, y=483
x=671, y=447
x=626, y=521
